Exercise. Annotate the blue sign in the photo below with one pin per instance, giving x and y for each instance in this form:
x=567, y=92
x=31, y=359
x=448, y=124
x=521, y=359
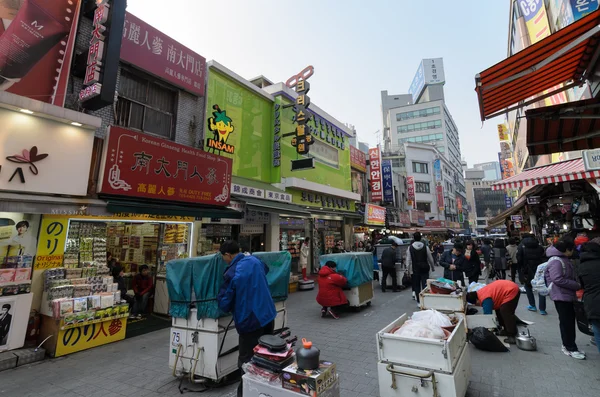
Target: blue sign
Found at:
x=530, y=8
x=418, y=83
x=388, y=182
x=437, y=170
x=581, y=8
x=507, y=201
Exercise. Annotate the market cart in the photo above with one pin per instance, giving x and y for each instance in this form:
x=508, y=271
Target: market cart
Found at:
x=203, y=341
x=357, y=267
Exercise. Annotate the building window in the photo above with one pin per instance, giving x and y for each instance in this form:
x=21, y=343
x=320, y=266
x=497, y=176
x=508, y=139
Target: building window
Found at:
x=425, y=125
x=422, y=206
x=397, y=163
x=422, y=139
x=422, y=187
x=418, y=113
x=145, y=105
x=420, y=168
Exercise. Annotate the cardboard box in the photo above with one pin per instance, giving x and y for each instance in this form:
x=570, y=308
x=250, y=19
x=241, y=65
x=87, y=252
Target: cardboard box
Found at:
x=254, y=388
x=312, y=383
x=23, y=274
x=7, y=275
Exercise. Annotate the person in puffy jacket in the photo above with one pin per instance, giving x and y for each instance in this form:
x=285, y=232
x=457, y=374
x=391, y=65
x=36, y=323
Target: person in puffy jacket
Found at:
x=560, y=272
x=419, y=262
x=530, y=255
x=330, y=293
x=472, y=266
x=589, y=277
x=453, y=263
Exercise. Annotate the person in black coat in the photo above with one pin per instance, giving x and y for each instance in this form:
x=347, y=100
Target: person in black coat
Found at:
x=388, y=266
x=472, y=267
x=530, y=255
x=499, y=258
x=589, y=277
x=453, y=263
x=117, y=273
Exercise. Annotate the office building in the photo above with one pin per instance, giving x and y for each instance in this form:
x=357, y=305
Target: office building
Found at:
x=491, y=170
x=484, y=202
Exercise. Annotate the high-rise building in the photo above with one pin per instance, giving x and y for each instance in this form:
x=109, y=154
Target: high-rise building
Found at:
x=484, y=202
x=491, y=170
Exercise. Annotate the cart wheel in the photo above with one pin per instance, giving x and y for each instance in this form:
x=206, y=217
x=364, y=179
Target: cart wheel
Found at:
x=355, y=309
x=369, y=303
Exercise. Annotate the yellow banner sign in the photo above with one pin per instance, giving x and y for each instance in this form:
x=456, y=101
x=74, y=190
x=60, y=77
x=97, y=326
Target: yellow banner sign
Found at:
x=503, y=133
x=130, y=217
x=51, y=244
x=92, y=335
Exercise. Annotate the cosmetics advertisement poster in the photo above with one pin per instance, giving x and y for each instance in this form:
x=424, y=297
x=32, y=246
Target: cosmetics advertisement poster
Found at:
x=36, y=45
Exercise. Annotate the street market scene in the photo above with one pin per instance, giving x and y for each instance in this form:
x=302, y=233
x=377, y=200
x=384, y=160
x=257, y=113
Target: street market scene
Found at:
x=191, y=209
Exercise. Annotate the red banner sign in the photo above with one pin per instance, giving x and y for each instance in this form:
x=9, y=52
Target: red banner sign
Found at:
x=157, y=53
x=375, y=165
x=410, y=192
x=358, y=159
x=417, y=217
x=405, y=219
x=435, y=223
x=439, y=190
x=139, y=165
x=374, y=215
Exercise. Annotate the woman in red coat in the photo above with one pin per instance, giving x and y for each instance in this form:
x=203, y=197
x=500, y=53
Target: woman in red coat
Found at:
x=330, y=290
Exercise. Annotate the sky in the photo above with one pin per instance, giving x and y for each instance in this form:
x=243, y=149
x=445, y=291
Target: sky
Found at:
x=358, y=48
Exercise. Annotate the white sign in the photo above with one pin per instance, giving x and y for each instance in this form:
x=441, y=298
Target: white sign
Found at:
x=434, y=71
x=248, y=191
x=91, y=80
x=516, y=218
x=277, y=196
x=591, y=159
x=252, y=228
x=43, y=156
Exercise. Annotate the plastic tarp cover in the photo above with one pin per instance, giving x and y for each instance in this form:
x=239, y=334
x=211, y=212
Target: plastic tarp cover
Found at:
x=357, y=267
x=205, y=275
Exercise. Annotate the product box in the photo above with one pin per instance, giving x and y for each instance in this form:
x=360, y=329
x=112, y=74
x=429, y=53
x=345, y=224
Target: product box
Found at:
x=7, y=275
x=80, y=305
x=23, y=274
x=107, y=300
x=94, y=302
x=309, y=382
x=256, y=388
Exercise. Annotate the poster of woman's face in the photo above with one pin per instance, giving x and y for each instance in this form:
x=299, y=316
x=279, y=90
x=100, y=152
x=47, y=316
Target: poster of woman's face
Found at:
x=7, y=306
x=18, y=234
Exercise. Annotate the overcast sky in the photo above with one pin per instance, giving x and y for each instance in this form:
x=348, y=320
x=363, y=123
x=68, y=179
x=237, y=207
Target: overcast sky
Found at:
x=358, y=48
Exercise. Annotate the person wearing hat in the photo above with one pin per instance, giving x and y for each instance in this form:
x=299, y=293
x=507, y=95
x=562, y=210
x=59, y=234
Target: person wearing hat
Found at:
x=453, y=263
x=331, y=295
x=388, y=266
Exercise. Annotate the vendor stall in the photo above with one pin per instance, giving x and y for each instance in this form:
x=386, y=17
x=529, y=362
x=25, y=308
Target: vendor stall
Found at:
x=357, y=267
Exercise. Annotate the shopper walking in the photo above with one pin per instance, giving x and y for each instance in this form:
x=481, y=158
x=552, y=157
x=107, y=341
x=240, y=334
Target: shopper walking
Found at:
x=560, y=276
x=486, y=250
x=331, y=296
x=453, y=263
x=589, y=276
x=388, y=266
x=419, y=262
x=500, y=259
x=245, y=294
x=304, y=254
x=530, y=255
x=512, y=249
x=472, y=266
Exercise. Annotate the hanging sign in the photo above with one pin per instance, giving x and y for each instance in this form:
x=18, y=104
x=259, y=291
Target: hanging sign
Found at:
x=437, y=170
x=303, y=138
x=375, y=174
x=439, y=190
x=533, y=200
x=277, y=134
x=51, y=243
x=358, y=160
x=410, y=191
x=388, y=182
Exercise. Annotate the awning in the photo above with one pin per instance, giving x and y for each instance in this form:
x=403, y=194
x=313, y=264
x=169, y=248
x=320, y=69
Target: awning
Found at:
x=275, y=207
x=150, y=208
x=571, y=170
x=567, y=56
x=563, y=128
x=517, y=206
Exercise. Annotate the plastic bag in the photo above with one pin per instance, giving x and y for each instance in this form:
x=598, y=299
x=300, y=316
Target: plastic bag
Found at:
x=432, y=317
x=484, y=339
x=475, y=287
x=416, y=329
x=261, y=375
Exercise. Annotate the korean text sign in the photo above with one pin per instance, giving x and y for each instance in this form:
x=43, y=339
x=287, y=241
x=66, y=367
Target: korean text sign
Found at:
x=51, y=243
x=358, y=160
x=139, y=165
x=437, y=170
x=410, y=191
x=157, y=53
x=439, y=190
x=374, y=215
x=388, y=183
x=375, y=165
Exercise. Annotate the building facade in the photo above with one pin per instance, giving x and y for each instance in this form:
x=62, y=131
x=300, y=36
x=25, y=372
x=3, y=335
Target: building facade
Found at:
x=484, y=202
x=491, y=170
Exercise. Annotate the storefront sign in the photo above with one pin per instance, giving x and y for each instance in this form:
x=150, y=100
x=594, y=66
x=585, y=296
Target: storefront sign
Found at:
x=277, y=133
x=374, y=215
x=507, y=201
x=325, y=201
x=358, y=159
x=375, y=174
x=388, y=184
x=76, y=339
x=254, y=216
x=581, y=8
x=516, y=218
x=303, y=138
x=361, y=229
x=404, y=219
x=51, y=243
x=328, y=132
x=43, y=156
x=277, y=196
x=153, y=51
x=36, y=38
x=142, y=166
x=439, y=191
x=248, y=191
x=417, y=217
x=533, y=200
x=221, y=127
x=591, y=159
x=435, y=223
x=100, y=79
x=437, y=170
x=253, y=228
x=410, y=191
x=503, y=133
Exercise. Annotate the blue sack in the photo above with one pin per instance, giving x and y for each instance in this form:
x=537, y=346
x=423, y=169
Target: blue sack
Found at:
x=357, y=267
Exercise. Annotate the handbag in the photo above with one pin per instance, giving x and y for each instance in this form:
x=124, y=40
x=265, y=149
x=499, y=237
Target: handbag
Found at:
x=582, y=321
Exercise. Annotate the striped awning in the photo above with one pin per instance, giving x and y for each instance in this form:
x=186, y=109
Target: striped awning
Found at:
x=571, y=170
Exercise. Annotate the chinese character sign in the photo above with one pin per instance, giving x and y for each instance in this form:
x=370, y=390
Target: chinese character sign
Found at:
x=439, y=190
x=358, y=160
x=157, y=53
x=410, y=192
x=139, y=165
x=375, y=174
x=388, y=182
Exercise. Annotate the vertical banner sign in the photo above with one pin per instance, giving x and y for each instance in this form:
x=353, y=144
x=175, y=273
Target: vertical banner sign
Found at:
x=437, y=170
x=460, y=210
x=502, y=133
x=507, y=201
x=375, y=175
x=303, y=138
x=410, y=189
x=439, y=189
x=277, y=133
x=91, y=80
x=581, y=8
x=51, y=243
x=388, y=184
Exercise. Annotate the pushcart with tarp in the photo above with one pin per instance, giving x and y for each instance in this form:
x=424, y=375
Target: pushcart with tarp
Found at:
x=357, y=267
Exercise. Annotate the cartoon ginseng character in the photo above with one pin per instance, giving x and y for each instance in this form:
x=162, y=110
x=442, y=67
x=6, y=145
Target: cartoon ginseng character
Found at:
x=220, y=125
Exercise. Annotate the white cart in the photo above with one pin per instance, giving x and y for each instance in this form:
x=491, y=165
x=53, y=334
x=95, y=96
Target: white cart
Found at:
x=421, y=366
x=361, y=295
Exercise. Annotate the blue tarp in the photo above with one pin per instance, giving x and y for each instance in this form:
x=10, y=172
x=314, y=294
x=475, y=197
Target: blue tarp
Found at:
x=357, y=267
x=205, y=275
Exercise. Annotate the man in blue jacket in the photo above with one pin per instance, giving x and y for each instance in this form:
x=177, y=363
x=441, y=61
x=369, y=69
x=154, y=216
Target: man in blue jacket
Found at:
x=245, y=294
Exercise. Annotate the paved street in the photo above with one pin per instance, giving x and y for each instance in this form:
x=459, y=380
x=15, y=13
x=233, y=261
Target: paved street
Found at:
x=139, y=366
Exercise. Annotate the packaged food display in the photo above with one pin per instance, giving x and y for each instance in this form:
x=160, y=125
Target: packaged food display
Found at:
x=22, y=274
x=7, y=275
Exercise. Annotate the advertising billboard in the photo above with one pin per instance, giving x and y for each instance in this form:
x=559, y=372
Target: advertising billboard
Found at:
x=430, y=71
x=581, y=8
x=410, y=191
x=375, y=174
x=418, y=83
x=36, y=42
x=388, y=183
x=374, y=215
x=358, y=159
x=439, y=191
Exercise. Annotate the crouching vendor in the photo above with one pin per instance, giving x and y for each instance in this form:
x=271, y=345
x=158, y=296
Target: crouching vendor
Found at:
x=331, y=295
x=503, y=297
